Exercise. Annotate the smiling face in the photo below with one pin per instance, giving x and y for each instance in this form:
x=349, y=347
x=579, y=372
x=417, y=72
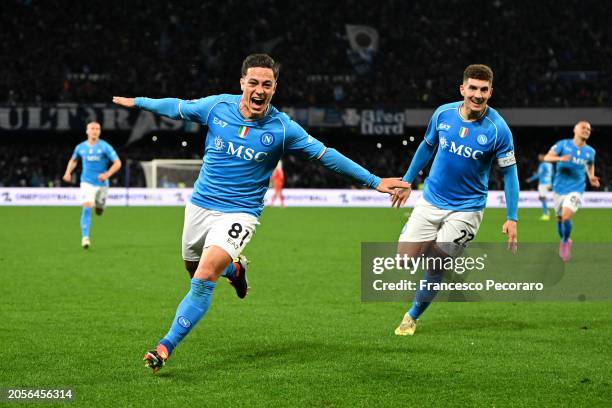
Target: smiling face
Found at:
x=476, y=94
x=258, y=86
x=582, y=131
x=93, y=132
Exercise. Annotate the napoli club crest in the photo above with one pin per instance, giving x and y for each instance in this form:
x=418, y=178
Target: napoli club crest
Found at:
x=267, y=139
x=482, y=139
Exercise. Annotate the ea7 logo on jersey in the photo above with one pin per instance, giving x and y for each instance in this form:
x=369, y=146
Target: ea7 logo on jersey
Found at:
x=243, y=153
x=465, y=151
x=219, y=122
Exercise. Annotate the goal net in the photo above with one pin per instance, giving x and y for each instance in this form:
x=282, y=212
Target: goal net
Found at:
x=171, y=173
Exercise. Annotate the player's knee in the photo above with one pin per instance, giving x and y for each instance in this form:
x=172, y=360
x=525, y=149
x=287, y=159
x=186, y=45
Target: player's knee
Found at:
x=210, y=269
x=566, y=215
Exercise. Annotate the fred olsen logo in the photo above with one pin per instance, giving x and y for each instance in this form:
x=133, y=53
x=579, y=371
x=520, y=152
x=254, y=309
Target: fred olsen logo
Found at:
x=267, y=139
x=482, y=139
x=219, y=143
x=183, y=321
x=443, y=143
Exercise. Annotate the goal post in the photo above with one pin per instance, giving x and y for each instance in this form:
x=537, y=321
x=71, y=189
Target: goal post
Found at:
x=171, y=173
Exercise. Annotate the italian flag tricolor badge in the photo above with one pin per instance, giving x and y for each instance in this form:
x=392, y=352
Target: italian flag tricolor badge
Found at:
x=243, y=132
x=463, y=132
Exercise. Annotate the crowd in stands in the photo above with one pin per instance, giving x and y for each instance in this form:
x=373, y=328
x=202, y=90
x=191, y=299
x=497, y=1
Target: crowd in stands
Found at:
x=544, y=53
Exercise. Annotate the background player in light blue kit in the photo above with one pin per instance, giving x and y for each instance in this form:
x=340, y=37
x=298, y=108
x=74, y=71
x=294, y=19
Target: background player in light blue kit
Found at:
x=246, y=138
x=544, y=175
x=575, y=161
x=95, y=155
x=466, y=137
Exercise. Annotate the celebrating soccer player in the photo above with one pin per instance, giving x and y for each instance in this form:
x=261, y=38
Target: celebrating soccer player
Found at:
x=573, y=158
x=544, y=177
x=246, y=138
x=466, y=137
x=95, y=155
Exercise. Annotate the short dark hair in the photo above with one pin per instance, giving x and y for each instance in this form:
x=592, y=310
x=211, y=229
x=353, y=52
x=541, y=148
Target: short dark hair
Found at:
x=260, y=61
x=478, y=71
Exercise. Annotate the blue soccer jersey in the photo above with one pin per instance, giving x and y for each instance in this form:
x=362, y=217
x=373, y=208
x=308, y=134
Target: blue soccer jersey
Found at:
x=95, y=160
x=571, y=176
x=240, y=154
x=545, y=174
x=459, y=175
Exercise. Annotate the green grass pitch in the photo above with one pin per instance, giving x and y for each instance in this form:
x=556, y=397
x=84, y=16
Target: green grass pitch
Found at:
x=83, y=319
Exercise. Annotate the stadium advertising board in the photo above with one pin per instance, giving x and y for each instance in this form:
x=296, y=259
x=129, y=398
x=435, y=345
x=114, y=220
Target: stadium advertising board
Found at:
x=293, y=197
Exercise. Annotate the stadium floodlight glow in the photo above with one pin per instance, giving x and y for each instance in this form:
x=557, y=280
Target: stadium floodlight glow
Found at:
x=154, y=138
x=404, y=142
x=171, y=172
x=411, y=138
x=184, y=143
x=378, y=145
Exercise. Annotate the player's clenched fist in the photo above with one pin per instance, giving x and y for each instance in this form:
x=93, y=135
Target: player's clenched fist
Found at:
x=127, y=102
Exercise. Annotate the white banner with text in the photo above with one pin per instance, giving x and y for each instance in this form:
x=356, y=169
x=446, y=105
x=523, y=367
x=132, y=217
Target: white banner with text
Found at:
x=293, y=197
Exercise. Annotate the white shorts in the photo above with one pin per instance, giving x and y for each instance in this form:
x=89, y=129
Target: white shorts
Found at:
x=543, y=189
x=204, y=228
x=573, y=201
x=430, y=223
x=94, y=194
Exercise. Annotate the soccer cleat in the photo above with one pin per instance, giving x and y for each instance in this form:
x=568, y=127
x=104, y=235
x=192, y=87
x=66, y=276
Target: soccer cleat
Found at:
x=568, y=251
x=239, y=281
x=407, y=327
x=565, y=250
x=85, y=243
x=154, y=361
x=99, y=210
x=545, y=217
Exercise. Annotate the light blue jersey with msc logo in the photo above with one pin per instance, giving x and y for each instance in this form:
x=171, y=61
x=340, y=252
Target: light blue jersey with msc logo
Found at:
x=459, y=175
x=240, y=154
x=571, y=176
x=95, y=160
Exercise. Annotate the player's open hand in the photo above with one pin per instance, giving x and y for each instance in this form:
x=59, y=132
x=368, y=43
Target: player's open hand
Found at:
x=388, y=185
x=509, y=228
x=565, y=158
x=594, y=181
x=400, y=197
x=127, y=102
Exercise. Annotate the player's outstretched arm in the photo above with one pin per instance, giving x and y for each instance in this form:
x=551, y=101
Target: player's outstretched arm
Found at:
x=337, y=162
x=420, y=159
x=533, y=178
x=511, y=190
x=165, y=107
